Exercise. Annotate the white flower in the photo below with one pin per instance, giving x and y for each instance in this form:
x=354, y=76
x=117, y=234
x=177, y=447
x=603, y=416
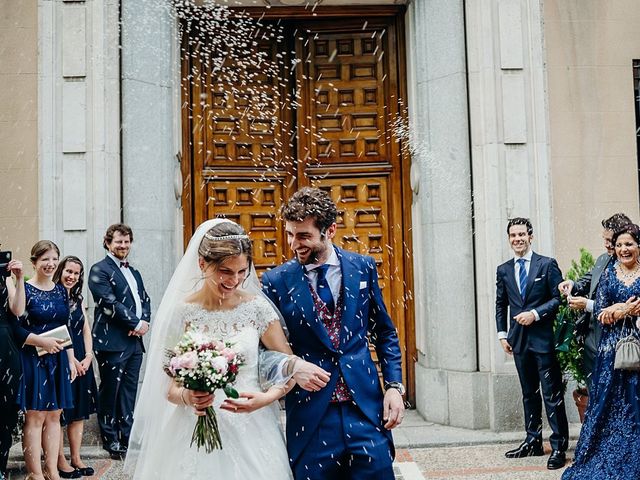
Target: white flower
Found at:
x=220, y=364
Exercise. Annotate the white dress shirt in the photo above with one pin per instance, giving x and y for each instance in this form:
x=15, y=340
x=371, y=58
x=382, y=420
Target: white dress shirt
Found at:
x=133, y=286
x=334, y=275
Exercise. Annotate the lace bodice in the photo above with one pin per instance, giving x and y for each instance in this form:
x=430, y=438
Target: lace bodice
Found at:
x=242, y=326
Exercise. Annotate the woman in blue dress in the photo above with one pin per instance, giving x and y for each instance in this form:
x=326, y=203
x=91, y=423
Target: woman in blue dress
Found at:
x=70, y=274
x=45, y=387
x=610, y=437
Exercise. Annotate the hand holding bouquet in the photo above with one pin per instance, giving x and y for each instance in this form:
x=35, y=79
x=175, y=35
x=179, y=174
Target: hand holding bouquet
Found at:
x=202, y=364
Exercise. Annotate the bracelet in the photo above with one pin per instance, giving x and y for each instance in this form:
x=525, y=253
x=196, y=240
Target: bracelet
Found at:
x=89, y=355
x=184, y=402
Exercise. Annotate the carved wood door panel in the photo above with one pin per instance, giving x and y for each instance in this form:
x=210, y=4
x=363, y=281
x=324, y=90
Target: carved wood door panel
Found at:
x=323, y=119
x=349, y=96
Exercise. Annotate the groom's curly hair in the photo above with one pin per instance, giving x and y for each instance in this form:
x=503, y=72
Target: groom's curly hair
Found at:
x=311, y=202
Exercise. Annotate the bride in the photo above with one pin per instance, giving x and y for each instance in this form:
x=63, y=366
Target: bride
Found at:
x=215, y=290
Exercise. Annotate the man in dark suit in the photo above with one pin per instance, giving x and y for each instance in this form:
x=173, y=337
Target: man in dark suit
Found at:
x=332, y=305
x=527, y=287
x=582, y=294
x=121, y=319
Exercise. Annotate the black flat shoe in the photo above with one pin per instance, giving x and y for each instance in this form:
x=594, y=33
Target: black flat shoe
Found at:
x=72, y=474
x=557, y=459
x=86, y=471
x=526, y=449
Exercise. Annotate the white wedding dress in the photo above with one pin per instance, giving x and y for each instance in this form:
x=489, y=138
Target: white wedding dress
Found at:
x=253, y=445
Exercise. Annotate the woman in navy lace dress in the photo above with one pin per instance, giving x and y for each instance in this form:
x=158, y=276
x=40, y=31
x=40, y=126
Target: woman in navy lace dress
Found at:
x=45, y=387
x=610, y=437
x=70, y=274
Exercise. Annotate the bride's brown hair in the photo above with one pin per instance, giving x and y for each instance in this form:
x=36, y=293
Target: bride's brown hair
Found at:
x=215, y=248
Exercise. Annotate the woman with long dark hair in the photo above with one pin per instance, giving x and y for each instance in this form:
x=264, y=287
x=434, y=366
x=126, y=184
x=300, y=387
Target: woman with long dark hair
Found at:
x=70, y=274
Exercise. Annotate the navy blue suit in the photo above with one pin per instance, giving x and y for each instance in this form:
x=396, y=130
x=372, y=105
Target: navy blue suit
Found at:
x=119, y=354
x=310, y=415
x=533, y=345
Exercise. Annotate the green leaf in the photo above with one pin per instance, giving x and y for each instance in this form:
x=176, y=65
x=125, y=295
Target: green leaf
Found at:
x=231, y=392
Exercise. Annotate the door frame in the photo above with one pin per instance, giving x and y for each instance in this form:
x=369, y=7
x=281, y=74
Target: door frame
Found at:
x=395, y=14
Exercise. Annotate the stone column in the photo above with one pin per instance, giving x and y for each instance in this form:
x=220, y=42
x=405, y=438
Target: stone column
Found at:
x=510, y=162
x=449, y=388
x=150, y=132
x=78, y=123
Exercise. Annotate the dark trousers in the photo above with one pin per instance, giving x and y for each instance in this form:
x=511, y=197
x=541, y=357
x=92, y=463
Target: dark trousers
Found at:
x=119, y=373
x=346, y=446
x=540, y=371
x=8, y=421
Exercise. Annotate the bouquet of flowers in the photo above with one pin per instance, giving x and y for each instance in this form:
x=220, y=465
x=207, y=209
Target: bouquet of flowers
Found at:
x=199, y=363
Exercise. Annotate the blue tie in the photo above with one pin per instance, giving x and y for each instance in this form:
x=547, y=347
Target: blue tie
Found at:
x=523, y=277
x=323, y=290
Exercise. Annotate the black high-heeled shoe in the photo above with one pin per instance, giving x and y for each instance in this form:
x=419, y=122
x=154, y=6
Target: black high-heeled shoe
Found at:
x=85, y=471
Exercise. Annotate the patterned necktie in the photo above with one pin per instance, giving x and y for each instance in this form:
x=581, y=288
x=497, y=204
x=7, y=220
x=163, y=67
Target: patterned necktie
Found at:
x=322, y=289
x=523, y=277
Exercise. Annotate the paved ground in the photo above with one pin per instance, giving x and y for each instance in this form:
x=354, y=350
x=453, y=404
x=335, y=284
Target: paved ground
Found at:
x=425, y=451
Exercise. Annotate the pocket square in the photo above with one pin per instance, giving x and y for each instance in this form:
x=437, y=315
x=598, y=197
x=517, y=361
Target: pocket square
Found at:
x=363, y=285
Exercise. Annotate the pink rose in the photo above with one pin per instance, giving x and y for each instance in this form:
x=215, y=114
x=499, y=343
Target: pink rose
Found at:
x=220, y=364
x=228, y=354
x=218, y=345
x=185, y=361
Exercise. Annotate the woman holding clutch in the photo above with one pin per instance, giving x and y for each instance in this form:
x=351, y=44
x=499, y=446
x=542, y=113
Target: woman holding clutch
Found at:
x=70, y=274
x=45, y=387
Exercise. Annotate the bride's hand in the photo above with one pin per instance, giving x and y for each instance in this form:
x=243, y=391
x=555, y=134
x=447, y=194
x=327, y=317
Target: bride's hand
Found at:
x=198, y=400
x=310, y=376
x=248, y=402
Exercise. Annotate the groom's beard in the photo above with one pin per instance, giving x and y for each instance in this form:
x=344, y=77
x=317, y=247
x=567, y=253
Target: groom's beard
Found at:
x=314, y=256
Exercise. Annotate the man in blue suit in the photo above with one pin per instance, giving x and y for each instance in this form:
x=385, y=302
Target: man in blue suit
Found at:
x=332, y=305
x=121, y=319
x=527, y=287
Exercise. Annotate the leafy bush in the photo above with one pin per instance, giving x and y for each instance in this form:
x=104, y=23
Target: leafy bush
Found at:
x=569, y=346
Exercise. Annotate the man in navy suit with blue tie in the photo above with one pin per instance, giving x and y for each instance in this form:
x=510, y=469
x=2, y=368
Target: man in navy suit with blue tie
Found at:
x=121, y=319
x=332, y=305
x=527, y=288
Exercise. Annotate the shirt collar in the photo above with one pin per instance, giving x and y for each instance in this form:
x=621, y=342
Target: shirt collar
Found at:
x=333, y=260
x=116, y=259
x=527, y=257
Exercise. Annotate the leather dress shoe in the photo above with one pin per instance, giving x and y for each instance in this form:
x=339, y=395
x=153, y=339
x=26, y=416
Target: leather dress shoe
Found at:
x=526, y=449
x=72, y=474
x=557, y=459
x=116, y=450
x=85, y=471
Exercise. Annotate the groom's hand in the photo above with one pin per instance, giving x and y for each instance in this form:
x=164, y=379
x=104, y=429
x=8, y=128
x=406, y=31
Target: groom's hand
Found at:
x=310, y=377
x=393, y=408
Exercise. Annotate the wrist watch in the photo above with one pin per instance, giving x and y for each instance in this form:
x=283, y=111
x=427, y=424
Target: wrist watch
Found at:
x=397, y=385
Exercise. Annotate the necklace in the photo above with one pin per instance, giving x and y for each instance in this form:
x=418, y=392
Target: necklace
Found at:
x=631, y=273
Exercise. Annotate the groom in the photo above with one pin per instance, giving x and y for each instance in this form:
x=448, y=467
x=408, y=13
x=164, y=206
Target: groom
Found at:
x=331, y=302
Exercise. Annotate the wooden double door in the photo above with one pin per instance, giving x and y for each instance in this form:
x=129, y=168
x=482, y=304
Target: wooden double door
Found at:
x=311, y=101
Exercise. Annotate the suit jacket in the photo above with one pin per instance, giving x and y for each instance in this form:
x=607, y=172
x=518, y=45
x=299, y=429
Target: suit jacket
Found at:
x=363, y=313
x=586, y=286
x=541, y=294
x=115, y=310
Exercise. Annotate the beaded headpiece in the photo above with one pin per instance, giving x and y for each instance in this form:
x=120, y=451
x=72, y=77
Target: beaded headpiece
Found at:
x=244, y=236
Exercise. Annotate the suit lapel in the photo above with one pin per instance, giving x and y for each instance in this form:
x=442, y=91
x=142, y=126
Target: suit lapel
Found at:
x=511, y=281
x=534, y=268
x=298, y=290
x=120, y=275
x=350, y=290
